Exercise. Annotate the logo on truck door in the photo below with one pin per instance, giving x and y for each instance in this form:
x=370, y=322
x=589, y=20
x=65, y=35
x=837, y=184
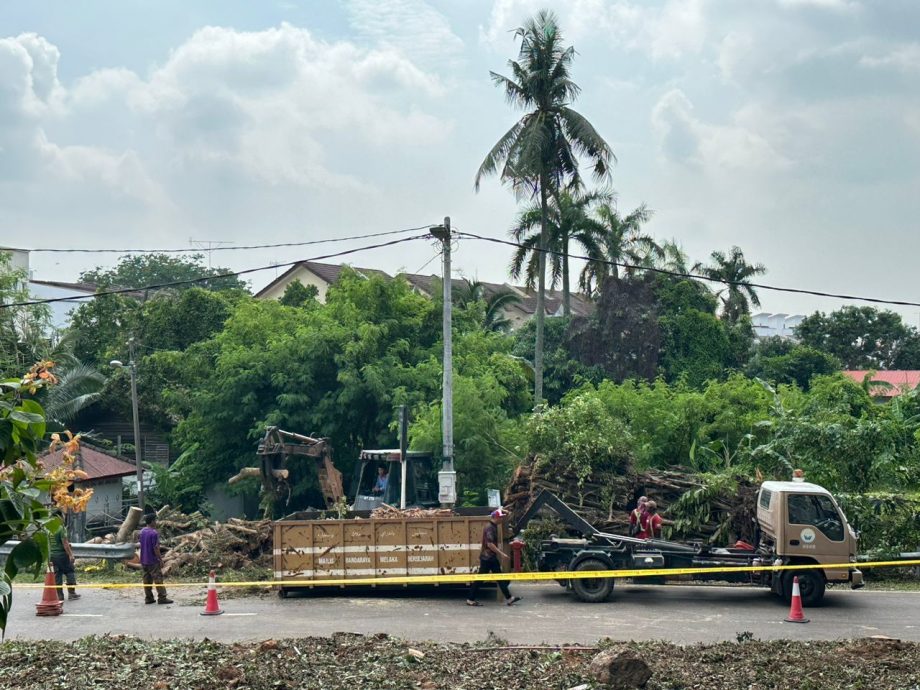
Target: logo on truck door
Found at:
x=807, y=535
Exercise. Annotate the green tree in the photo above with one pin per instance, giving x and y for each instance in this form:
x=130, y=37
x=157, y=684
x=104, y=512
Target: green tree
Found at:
x=618, y=239
x=25, y=331
x=570, y=220
x=494, y=303
x=142, y=270
x=540, y=154
x=797, y=364
x=296, y=294
x=863, y=338
x=734, y=272
x=23, y=513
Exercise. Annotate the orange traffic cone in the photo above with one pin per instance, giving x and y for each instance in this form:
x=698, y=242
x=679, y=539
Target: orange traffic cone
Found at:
x=795, y=607
x=211, y=607
x=50, y=605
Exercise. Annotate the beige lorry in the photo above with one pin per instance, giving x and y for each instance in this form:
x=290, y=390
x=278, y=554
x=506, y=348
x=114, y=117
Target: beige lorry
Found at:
x=798, y=524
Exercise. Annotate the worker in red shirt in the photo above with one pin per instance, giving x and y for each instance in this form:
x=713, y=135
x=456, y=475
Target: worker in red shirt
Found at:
x=650, y=525
x=635, y=516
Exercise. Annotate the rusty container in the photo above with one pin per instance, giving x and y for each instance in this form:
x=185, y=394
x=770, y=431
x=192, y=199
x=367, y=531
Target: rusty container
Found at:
x=314, y=550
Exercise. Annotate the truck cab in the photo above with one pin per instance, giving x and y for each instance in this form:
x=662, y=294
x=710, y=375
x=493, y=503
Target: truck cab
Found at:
x=801, y=523
x=421, y=479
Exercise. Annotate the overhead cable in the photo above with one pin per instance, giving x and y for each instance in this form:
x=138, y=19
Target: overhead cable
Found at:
x=693, y=276
x=205, y=279
x=277, y=245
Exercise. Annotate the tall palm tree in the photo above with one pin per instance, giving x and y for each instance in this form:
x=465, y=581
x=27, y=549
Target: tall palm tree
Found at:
x=78, y=386
x=618, y=239
x=541, y=152
x=735, y=272
x=570, y=221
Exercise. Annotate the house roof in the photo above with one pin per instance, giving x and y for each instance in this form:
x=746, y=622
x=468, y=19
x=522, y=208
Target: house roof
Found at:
x=79, y=287
x=97, y=464
x=900, y=379
x=328, y=273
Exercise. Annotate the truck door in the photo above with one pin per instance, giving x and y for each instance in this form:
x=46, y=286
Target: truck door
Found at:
x=815, y=528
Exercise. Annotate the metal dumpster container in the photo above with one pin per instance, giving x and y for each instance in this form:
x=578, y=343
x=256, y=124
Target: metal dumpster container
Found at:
x=315, y=550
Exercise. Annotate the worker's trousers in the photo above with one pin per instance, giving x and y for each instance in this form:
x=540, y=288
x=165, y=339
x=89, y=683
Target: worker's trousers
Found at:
x=63, y=566
x=486, y=566
x=153, y=575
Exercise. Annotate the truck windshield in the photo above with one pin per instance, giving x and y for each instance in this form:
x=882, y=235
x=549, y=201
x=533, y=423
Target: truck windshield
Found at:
x=818, y=511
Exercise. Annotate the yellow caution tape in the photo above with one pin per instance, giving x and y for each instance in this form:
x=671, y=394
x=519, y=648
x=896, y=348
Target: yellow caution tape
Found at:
x=464, y=578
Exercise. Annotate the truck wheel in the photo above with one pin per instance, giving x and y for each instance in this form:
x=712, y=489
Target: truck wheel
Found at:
x=282, y=593
x=811, y=585
x=592, y=590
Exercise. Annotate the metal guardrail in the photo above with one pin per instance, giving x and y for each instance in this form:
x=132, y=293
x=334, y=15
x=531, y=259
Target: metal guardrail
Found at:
x=113, y=552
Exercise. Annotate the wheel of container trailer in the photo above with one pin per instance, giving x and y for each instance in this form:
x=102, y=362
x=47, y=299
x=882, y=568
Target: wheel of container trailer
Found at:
x=592, y=590
x=811, y=585
x=282, y=593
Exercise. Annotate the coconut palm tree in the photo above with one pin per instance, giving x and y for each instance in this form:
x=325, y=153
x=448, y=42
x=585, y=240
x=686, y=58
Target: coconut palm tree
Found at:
x=618, y=239
x=734, y=272
x=540, y=154
x=570, y=221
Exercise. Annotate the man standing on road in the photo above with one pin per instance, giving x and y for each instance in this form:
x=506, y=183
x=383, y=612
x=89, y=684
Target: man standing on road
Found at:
x=62, y=559
x=488, y=560
x=151, y=561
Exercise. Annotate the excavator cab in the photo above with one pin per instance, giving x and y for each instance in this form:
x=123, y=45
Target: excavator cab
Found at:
x=421, y=480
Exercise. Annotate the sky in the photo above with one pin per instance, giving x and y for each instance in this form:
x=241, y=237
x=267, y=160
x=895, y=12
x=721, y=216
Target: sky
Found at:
x=790, y=128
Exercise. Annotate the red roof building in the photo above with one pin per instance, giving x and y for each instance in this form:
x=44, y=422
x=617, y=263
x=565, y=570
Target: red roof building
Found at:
x=898, y=380
x=98, y=465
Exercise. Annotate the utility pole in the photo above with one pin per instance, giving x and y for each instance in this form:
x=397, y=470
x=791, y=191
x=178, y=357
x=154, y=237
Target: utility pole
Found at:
x=132, y=370
x=447, y=477
x=137, y=426
x=403, y=451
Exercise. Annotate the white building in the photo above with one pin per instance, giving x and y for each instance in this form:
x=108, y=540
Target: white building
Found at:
x=49, y=289
x=773, y=325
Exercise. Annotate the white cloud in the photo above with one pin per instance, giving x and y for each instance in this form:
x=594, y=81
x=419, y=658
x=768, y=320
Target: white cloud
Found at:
x=717, y=149
x=261, y=104
x=665, y=32
x=905, y=58
x=413, y=27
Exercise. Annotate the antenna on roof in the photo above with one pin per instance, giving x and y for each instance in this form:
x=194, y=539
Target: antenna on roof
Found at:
x=207, y=245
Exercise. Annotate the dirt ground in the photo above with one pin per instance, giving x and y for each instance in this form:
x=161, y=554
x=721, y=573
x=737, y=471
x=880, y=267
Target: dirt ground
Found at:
x=350, y=662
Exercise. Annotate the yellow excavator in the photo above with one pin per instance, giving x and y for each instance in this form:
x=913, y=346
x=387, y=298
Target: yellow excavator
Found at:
x=277, y=447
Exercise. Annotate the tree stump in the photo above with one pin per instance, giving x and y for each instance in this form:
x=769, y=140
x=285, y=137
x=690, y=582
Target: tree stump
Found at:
x=621, y=670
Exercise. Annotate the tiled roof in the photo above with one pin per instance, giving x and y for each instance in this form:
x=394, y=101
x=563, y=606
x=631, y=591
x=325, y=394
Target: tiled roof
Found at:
x=329, y=273
x=899, y=379
x=96, y=464
x=80, y=287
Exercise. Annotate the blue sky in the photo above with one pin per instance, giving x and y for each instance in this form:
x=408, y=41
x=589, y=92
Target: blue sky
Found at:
x=788, y=127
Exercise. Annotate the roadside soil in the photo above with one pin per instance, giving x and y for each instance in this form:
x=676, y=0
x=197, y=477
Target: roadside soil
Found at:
x=350, y=662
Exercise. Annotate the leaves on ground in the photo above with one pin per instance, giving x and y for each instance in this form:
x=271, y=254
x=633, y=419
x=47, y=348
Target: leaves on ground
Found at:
x=350, y=662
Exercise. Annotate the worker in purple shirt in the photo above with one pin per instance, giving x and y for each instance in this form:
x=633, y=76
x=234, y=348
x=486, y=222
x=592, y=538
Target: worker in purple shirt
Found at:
x=151, y=560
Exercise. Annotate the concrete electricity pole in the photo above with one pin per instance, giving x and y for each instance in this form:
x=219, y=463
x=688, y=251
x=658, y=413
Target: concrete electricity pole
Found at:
x=447, y=477
x=132, y=370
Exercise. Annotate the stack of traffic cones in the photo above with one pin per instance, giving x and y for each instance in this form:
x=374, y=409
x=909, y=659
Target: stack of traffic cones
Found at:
x=211, y=607
x=795, y=608
x=50, y=605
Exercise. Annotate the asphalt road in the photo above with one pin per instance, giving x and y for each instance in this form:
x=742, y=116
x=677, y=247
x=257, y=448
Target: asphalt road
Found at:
x=547, y=614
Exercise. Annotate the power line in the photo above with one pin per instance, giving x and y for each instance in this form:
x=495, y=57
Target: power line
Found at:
x=277, y=245
x=229, y=274
x=693, y=276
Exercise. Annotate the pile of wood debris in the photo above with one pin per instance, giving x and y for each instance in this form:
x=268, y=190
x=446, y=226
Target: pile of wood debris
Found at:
x=605, y=498
x=385, y=511
x=193, y=545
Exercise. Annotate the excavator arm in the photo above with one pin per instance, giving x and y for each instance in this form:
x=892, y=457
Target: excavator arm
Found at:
x=277, y=447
